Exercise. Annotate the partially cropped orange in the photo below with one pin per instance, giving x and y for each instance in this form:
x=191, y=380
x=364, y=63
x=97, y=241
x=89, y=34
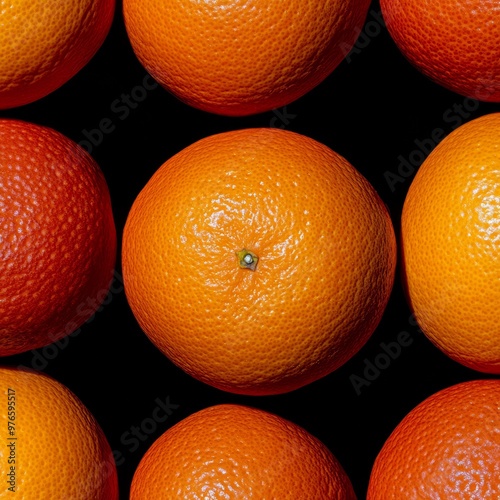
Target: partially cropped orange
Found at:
x=44, y=44
x=258, y=260
x=57, y=236
x=240, y=57
x=53, y=447
x=456, y=43
x=448, y=447
x=238, y=452
x=450, y=234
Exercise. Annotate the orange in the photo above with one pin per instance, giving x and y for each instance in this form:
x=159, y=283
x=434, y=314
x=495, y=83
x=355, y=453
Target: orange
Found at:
x=57, y=236
x=258, y=260
x=456, y=43
x=240, y=57
x=450, y=238
x=52, y=446
x=43, y=44
x=238, y=452
x=448, y=447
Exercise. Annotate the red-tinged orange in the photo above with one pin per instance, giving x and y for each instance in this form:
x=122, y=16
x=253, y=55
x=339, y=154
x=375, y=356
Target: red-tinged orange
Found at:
x=57, y=236
x=456, y=43
x=44, y=44
x=258, y=260
x=448, y=447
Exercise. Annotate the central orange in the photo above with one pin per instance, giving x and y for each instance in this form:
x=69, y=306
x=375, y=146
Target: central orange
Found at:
x=258, y=260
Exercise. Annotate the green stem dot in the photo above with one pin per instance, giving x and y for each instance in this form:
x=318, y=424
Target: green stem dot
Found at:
x=247, y=259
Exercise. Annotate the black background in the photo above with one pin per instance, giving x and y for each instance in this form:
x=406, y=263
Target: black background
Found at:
x=375, y=110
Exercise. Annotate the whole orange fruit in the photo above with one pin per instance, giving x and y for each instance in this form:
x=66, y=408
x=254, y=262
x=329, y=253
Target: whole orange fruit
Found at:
x=44, y=44
x=448, y=447
x=53, y=446
x=233, y=451
x=239, y=57
x=258, y=260
x=456, y=43
x=57, y=236
x=450, y=239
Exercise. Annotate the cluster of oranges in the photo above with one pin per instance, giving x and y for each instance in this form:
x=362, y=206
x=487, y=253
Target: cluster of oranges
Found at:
x=257, y=260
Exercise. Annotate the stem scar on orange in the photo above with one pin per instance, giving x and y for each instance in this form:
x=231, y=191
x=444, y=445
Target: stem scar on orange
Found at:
x=314, y=267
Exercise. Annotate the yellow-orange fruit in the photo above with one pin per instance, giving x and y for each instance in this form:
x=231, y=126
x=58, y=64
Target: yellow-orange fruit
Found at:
x=450, y=239
x=44, y=44
x=53, y=446
x=239, y=57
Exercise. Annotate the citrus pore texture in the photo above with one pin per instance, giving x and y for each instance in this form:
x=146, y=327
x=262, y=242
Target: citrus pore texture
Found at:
x=326, y=250
x=456, y=43
x=450, y=238
x=446, y=447
x=43, y=44
x=238, y=452
x=239, y=57
x=57, y=236
x=57, y=448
